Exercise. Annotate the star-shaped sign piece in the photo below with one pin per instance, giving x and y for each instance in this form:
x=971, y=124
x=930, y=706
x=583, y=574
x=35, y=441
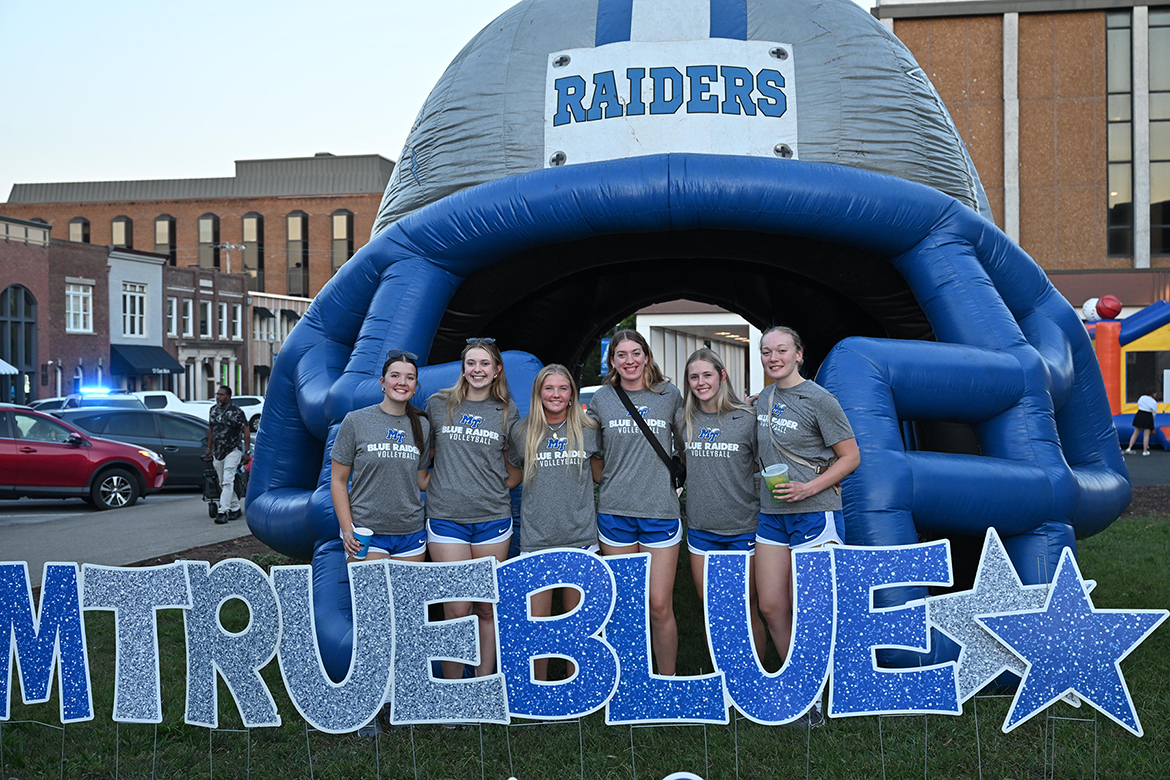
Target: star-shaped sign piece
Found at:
x=1070, y=645
x=997, y=590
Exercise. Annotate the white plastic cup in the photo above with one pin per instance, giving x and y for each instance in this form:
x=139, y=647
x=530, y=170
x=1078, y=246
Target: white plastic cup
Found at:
x=776, y=474
x=363, y=536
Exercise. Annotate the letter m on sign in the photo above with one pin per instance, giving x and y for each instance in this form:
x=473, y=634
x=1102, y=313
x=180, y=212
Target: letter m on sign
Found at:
x=38, y=642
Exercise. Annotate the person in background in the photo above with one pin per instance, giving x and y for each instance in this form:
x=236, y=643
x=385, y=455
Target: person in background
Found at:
x=228, y=439
x=1143, y=421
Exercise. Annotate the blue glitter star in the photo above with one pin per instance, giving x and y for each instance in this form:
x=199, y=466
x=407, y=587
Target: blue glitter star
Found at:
x=1072, y=646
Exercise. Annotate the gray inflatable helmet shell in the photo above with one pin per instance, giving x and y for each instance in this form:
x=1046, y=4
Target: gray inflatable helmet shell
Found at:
x=863, y=100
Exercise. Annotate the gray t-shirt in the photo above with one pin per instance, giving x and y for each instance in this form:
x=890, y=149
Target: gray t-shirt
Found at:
x=467, y=485
x=556, y=508
x=721, y=459
x=383, y=491
x=635, y=482
x=808, y=421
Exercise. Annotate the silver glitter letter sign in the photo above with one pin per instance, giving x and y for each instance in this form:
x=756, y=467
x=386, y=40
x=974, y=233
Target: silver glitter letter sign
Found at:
x=56, y=634
x=135, y=596
x=574, y=636
x=238, y=657
x=418, y=696
x=328, y=706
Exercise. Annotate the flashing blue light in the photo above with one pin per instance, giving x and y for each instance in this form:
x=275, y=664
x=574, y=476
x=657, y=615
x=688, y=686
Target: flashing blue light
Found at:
x=93, y=391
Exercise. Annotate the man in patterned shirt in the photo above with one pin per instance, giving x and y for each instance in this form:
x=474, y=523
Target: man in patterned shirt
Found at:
x=225, y=424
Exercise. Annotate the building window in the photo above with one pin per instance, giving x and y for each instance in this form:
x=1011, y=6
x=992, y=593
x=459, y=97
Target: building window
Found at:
x=18, y=343
x=164, y=236
x=237, y=321
x=254, y=251
x=298, y=253
x=172, y=316
x=188, y=318
x=78, y=308
x=209, y=241
x=342, y=237
x=1119, y=126
x=133, y=309
x=122, y=232
x=1160, y=131
x=223, y=321
x=79, y=230
x=204, y=319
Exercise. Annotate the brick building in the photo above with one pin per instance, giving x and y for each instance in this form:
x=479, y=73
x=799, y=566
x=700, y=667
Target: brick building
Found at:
x=287, y=224
x=206, y=324
x=54, y=313
x=1065, y=108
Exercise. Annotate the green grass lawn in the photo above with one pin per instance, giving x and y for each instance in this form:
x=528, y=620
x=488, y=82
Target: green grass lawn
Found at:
x=1128, y=561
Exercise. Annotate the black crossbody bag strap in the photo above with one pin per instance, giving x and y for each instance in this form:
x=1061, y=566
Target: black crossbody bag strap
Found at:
x=650, y=437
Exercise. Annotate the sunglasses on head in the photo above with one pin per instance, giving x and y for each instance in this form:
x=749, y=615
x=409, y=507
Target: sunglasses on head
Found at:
x=401, y=353
x=481, y=341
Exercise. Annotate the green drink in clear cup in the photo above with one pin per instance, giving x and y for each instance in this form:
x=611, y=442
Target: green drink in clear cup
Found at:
x=776, y=474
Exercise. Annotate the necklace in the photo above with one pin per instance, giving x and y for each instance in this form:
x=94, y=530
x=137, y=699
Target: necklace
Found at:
x=556, y=430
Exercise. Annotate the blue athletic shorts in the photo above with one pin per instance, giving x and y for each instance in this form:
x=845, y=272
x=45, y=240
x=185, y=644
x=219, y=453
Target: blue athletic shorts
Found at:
x=450, y=532
x=700, y=542
x=399, y=545
x=798, y=531
x=622, y=531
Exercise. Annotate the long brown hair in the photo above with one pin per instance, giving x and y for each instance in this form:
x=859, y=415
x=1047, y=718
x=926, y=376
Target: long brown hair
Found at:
x=413, y=413
x=535, y=434
x=652, y=375
x=457, y=393
x=724, y=401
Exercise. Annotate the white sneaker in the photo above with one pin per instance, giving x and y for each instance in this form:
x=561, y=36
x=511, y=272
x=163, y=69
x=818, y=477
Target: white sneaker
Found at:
x=1129, y=452
x=1147, y=452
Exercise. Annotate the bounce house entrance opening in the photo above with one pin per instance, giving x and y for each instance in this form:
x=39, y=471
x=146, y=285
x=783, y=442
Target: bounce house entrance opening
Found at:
x=556, y=301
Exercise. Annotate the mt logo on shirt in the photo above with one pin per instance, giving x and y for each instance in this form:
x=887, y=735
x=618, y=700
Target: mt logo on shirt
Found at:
x=471, y=420
x=709, y=434
x=555, y=444
x=395, y=435
x=642, y=410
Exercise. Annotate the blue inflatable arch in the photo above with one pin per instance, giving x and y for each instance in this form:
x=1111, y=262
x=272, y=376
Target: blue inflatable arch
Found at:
x=971, y=383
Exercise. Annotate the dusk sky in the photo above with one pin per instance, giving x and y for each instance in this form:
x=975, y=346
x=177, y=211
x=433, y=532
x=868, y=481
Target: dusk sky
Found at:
x=138, y=90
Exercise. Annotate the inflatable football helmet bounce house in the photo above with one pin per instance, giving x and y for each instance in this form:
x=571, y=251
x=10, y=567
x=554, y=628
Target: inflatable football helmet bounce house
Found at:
x=787, y=160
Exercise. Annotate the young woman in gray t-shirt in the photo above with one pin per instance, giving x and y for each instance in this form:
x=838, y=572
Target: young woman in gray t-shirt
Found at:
x=555, y=445
x=719, y=435
x=806, y=421
x=384, y=448
x=637, y=506
x=469, y=510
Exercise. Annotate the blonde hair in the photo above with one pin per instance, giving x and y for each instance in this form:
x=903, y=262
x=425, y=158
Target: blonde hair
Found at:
x=536, y=434
x=457, y=393
x=652, y=375
x=724, y=401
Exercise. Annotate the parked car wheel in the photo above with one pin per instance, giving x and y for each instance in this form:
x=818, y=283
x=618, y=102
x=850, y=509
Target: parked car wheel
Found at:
x=254, y=424
x=114, y=489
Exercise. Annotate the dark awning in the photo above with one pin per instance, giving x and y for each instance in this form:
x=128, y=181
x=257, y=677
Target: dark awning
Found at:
x=263, y=371
x=128, y=359
x=289, y=313
x=263, y=312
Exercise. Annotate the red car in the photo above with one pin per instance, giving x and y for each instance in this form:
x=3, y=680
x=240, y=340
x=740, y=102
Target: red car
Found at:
x=43, y=457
